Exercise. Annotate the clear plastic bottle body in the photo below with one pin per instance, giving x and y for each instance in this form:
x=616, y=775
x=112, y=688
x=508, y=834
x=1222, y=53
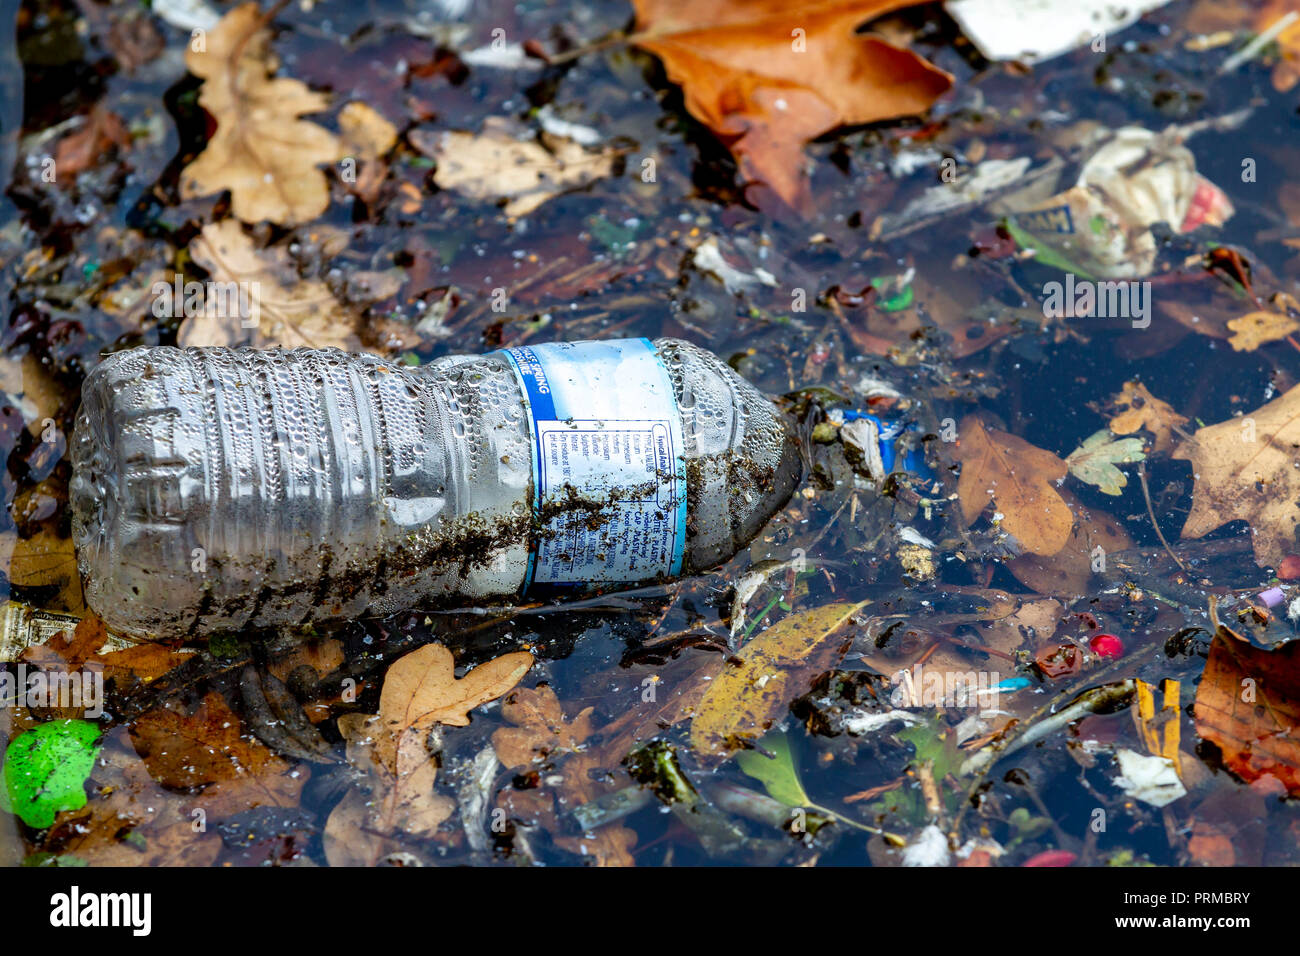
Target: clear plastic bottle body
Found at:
x=220, y=490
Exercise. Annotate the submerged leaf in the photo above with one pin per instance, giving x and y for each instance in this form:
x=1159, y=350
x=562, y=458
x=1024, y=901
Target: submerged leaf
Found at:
x=778, y=773
x=753, y=691
x=1094, y=461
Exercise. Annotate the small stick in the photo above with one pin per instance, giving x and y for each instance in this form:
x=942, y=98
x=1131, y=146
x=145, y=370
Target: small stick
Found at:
x=1146, y=493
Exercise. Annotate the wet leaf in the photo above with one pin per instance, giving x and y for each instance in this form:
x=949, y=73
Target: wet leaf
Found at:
x=1070, y=570
x=778, y=774
x=262, y=151
x=1094, y=461
x=278, y=309
x=1019, y=479
x=46, y=560
x=767, y=78
x=1248, y=468
x=498, y=164
x=209, y=747
x=753, y=691
x=367, y=137
x=1137, y=409
x=1248, y=705
x=1254, y=329
x=131, y=821
x=540, y=727
x=45, y=769
x=80, y=150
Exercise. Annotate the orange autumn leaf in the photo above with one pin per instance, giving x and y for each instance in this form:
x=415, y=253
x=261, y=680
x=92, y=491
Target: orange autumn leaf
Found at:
x=540, y=727
x=768, y=77
x=1136, y=409
x=210, y=747
x=1020, y=480
x=1248, y=704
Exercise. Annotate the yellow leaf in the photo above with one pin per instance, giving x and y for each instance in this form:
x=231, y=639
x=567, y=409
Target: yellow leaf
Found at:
x=496, y=165
x=752, y=692
x=1254, y=329
x=261, y=151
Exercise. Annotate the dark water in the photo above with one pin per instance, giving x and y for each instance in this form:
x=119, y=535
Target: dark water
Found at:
x=65, y=246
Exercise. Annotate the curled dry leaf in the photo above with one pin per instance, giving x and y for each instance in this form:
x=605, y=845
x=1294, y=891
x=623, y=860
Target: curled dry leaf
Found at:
x=1020, y=479
x=1254, y=329
x=767, y=78
x=262, y=151
x=1248, y=705
x=1136, y=409
x=756, y=687
x=256, y=298
x=1248, y=469
x=497, y=164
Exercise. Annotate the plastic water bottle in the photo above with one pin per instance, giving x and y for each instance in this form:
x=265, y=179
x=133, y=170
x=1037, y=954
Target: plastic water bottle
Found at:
x=222, y=489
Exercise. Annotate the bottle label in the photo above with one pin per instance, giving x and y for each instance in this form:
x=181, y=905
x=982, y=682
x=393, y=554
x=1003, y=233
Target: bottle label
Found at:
x=609, y=477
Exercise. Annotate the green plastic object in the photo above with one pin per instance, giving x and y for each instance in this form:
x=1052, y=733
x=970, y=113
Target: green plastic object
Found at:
x=45, y=770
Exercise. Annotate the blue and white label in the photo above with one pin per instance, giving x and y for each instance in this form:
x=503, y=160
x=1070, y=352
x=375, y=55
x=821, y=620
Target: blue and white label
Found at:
x=607, y=461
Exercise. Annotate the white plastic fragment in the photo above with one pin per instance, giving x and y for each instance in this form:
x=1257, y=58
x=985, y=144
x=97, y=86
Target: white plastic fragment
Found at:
x=708, y=258
x=1149, y=778
x=187, y=14
x=861, y=723
x=930, y=848
x=1037, y=30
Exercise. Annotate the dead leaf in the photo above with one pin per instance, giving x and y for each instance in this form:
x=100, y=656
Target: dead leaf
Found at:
x=1254, y=329
x=421, y=688
x=47, y=560
x=131, y=821
x=540, y=727
x=367, y=137
x=767, y=78
x=497, y=164
x=209, y=748
x=81, y=149
x=261, y=151
x=401, y=792
x=1020, y=479
x=1136, y=409
x=1248, y=705
x=752, y=692
x=1094, y=461
x=1248, y=468
x=1070, y=570
x=280, y=309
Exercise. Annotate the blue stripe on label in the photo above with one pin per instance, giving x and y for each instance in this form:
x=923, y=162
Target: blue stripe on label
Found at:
x=606, y=428
x=532, y=375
